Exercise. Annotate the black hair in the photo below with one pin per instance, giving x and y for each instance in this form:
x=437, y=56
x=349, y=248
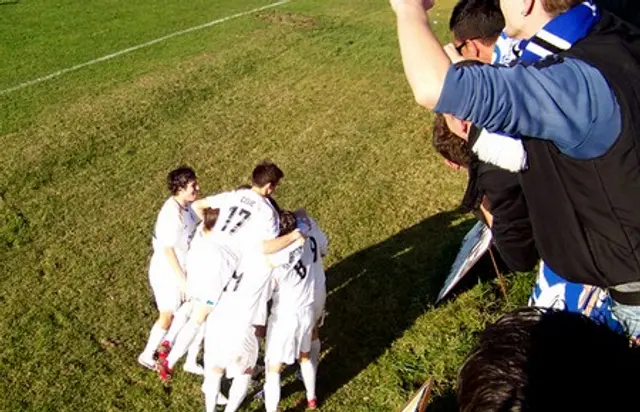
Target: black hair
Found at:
x=180, y=178
x=477, y=19
x=451, y=147
x=287, y=222
x=537, y=360
x=265, y=173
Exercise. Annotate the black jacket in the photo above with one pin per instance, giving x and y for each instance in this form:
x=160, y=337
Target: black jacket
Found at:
x=586, y=213
x=511, y=229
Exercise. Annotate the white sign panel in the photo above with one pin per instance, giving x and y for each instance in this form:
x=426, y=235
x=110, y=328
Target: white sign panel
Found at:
x=474, y=245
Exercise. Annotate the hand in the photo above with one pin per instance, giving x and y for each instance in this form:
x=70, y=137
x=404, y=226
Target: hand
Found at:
x=183, y=288
x=425, y=5
x=302, y=214
x=453, y=54
x=300, y=235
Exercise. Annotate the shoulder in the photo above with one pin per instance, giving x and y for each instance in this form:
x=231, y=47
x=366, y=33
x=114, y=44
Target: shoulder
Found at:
x=170, y=209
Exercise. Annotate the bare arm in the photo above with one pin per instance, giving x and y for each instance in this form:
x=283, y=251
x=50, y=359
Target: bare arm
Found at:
x=279, y=243
x=425, y=61
x=484, y=208
x=199, y=206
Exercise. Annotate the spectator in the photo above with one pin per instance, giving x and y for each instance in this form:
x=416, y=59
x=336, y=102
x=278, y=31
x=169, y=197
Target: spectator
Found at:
x=571, y=96
x=539, y=360
x=496, y=195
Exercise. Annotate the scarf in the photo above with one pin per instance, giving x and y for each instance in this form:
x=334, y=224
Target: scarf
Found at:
x=558, y=35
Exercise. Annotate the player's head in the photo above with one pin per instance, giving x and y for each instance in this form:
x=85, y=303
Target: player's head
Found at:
x=539, y=360
x=287, y=222
x=266, y=177
x=183, y=182
x=524, y=18
x=209, y=218
x=476, y=25
x=450, y=146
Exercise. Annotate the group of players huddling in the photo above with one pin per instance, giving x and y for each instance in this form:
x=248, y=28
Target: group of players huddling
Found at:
x=216, y=264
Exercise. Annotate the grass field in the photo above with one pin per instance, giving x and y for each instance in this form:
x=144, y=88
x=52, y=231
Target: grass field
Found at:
x=315, y=85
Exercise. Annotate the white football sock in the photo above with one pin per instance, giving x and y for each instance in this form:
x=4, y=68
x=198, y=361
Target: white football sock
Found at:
x=155, y=339
x=194, y=348
x=211, y=389
x=272, y=391
x=180, y=317
x=237, y=392
x=308, y=370
x=183, y=340
x=315, y=352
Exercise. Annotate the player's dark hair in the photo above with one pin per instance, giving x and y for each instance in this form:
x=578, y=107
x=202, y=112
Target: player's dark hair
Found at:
x=477, y=19
x=450, y=146
x=537, y=360
x=209, y=218
x=287, y=222
x=265, y=173
x=180, y=178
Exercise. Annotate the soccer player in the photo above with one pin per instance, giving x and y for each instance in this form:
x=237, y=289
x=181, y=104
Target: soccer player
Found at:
x=231, y=343
x=207, y=273
x=247, y=225
x=294, y=315
x=493, y=193
x=174, y=228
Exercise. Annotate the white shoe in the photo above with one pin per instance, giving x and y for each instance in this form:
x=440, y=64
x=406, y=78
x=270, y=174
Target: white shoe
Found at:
x=221, y=399
x=147, y=361
x=193, y=367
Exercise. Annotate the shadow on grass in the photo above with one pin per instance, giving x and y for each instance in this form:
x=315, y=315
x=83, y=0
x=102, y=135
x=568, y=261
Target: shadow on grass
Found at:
x=376, y=294
x=9, y=3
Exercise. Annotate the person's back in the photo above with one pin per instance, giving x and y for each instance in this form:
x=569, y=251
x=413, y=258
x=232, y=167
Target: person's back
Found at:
x=596, y=198
x=246, y=219
x=319, y=247
x=295, y=286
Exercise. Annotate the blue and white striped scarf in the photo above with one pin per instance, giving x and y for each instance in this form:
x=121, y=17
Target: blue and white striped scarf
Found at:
x=559, y=35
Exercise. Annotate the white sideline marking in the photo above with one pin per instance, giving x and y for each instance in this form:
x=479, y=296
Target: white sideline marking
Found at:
x=139, y=46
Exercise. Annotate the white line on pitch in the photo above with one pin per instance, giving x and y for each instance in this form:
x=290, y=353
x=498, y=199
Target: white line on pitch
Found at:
x=137, y=47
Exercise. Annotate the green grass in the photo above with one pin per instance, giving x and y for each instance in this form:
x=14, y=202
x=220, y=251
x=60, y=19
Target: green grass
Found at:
x=317, y=86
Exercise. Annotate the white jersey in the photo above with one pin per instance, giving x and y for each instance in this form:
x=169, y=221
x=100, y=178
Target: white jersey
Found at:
x=296, y=284
x=319, y=244
x=246, y=219
x=174, y=228
x=209, y=267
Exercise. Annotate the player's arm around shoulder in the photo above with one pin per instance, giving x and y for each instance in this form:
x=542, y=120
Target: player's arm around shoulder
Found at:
x=214, y=202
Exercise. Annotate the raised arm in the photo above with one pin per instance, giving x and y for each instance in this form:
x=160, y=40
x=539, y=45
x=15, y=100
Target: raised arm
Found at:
x=425, y=61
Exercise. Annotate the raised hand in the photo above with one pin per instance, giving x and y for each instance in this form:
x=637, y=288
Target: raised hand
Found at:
x=426, y=5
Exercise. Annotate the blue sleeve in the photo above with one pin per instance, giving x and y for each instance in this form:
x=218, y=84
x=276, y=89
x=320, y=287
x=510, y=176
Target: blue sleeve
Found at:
x=568, y=102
